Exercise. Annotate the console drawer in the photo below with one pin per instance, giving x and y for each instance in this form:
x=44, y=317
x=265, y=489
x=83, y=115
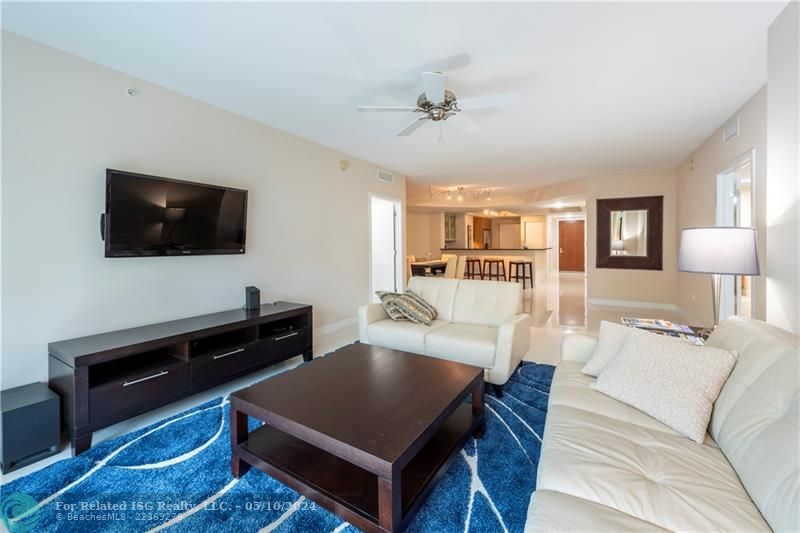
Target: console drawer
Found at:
x=217, y=367
x=286, y=344
x=138, y=392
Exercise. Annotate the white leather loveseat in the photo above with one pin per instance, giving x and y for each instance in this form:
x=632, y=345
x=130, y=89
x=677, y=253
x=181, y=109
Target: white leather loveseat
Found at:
x=479, y=324
x=607, y=466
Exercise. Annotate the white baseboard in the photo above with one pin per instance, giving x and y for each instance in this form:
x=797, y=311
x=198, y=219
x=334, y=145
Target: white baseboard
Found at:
x=335, y=326
x=631, y=303
x=688, y=318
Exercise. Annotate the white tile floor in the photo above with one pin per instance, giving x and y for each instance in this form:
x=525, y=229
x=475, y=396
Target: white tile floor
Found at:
x=564, y=295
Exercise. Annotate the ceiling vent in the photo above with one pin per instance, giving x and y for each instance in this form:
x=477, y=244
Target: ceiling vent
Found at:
x=730, y=129
x=385, y=176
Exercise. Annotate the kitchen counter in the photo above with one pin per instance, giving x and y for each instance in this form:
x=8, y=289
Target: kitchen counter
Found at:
x=445, y=250
x=538, y=256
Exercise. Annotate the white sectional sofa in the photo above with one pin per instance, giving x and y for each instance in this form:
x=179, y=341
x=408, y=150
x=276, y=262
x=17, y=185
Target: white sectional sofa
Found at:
x=607, y=466
x=479, y=323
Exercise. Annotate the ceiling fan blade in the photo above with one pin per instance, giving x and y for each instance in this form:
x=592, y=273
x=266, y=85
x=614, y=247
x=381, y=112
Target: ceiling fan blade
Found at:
x=445, y=64
x=386, y=108
x=433, y=85
x=414, y=126
x=464, y=123
x=489, y=100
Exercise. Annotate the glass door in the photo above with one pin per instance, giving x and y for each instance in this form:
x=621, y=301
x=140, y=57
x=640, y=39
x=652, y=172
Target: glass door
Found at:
x=735, y=208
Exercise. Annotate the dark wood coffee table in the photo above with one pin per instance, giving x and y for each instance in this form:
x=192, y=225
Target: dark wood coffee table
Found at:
x=365, y=432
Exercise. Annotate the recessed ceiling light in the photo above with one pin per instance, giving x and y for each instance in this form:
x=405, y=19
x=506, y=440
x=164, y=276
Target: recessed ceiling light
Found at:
x=558, y=205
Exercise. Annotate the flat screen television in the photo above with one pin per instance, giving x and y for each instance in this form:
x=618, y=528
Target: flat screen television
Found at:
x=152, y=216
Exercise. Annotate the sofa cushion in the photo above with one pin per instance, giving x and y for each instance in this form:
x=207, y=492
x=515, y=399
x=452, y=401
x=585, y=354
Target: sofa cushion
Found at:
x=654, y=476
x=555, y=511
x=488, y=303
x=670, y=379
x=466, y=343
x=401, y=335
x=572, y=388
x=438, y=292
x=755, y=420
x=610, y=340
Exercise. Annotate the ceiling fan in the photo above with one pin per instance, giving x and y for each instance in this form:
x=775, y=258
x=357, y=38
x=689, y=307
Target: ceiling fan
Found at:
x=438, y=104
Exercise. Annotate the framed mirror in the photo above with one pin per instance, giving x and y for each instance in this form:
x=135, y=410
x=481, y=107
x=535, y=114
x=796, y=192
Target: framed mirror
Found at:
x=630, y=233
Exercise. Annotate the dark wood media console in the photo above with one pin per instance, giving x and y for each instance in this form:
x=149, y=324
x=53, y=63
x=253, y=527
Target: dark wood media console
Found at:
x=106, y=378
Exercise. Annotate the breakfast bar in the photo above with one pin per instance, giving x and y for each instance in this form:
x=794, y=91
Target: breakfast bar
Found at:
x=537, y=256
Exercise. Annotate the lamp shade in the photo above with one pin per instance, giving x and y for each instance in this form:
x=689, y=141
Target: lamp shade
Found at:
x=617, y=245
x=719, y=250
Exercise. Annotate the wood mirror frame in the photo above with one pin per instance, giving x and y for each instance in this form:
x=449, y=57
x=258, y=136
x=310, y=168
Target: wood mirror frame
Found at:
x=654, y=205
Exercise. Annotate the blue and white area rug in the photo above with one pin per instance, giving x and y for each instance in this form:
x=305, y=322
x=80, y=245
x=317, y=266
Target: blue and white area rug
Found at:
x=175, y=475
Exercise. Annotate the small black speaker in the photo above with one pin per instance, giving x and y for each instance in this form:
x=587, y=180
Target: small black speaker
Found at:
x=252, y=298
x=30, y=425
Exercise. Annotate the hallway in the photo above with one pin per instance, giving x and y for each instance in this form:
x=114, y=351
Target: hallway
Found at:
x=565, y=295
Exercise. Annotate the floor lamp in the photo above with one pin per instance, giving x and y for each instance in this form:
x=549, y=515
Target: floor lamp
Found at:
x=719, y=251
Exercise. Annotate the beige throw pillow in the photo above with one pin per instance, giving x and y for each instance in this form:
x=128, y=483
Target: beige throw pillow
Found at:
x=669, y=379
x=406, y=307
x=387, y=300
x=424, y=303
x=609, y=343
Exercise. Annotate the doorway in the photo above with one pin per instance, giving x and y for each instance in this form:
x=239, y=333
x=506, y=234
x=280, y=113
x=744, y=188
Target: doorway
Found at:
x=735, y=208
x=385, y=237
x=571, y=248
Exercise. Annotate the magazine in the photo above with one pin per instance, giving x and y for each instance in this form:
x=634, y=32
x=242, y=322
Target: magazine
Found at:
x=665, y=327
x=655, y=323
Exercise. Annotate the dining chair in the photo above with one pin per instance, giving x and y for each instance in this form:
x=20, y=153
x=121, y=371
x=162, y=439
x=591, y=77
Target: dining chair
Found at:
x=409, y=259
x=461, y=266
x=450, y=269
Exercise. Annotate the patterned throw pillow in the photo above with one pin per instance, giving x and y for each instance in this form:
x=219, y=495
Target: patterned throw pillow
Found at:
x=423, y=303
x=413, y=310
x=609, y=343
x=669, y=379
x=405, y=307
x=387, y=299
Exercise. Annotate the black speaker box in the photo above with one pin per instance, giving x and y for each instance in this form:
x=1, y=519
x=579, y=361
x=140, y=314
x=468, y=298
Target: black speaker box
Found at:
x=252, y=298
x=31, y=427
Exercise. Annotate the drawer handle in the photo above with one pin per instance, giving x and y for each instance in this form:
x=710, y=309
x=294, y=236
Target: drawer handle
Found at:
x=220, y=356
x=287, y=336
x=135, y=381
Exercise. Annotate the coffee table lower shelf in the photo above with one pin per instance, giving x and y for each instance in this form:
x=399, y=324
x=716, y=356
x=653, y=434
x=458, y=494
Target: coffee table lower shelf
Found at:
x=346, y=489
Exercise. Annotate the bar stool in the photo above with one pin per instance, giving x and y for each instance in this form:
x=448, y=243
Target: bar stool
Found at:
x=499, y=273
x=527, y=272
x=473, y=269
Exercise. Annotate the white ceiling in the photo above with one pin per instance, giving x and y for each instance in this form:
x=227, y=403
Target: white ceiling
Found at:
x=605, y=87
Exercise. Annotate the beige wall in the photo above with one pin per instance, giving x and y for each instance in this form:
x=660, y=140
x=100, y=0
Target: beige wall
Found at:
x=647, y=286
x=424, y=234
x=783, y=170
x=697, y=190
x=417, y=232
x=65, y=120
x=539, y=239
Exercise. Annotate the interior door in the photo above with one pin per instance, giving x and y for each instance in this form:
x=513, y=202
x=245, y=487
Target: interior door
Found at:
x=571, y=246
x=386, y=265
